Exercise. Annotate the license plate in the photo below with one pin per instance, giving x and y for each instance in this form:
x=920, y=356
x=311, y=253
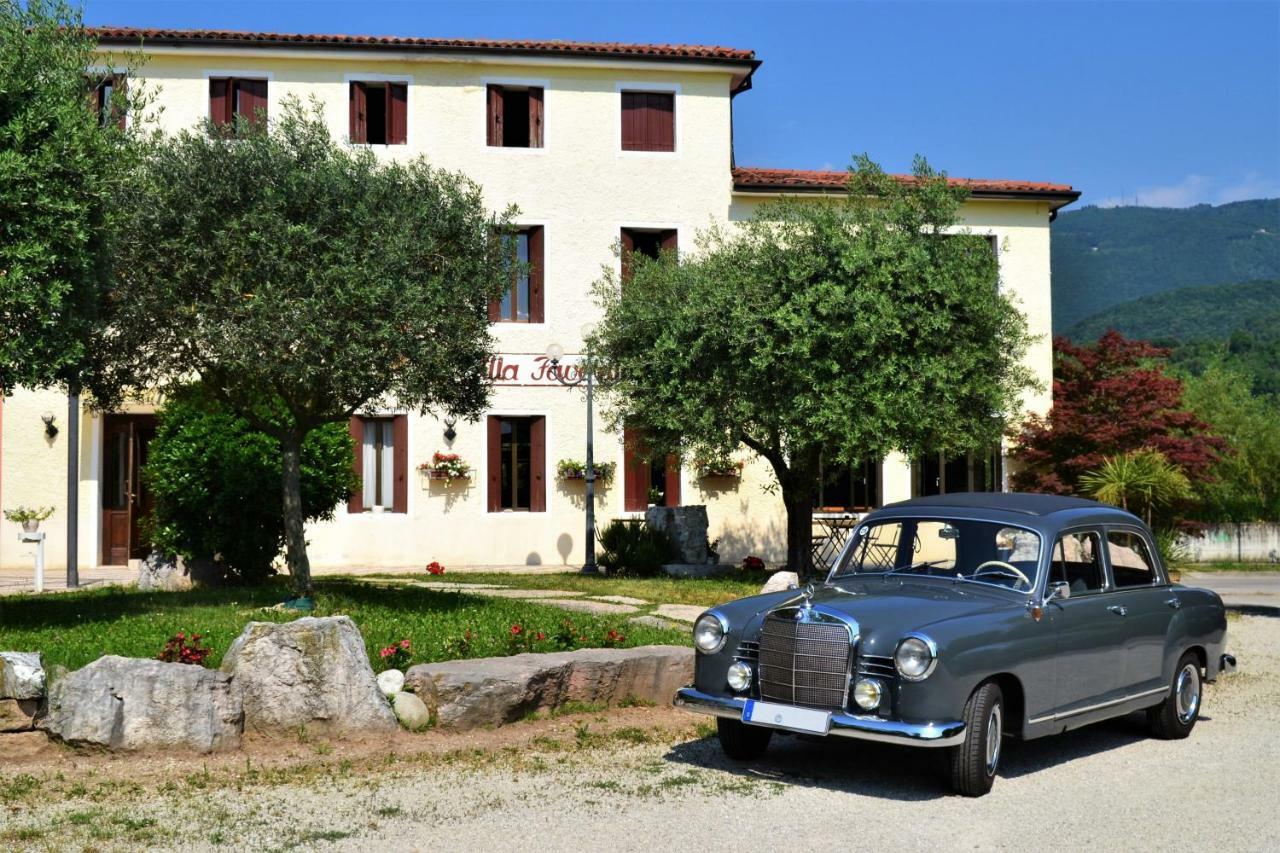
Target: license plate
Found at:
x=786, y=717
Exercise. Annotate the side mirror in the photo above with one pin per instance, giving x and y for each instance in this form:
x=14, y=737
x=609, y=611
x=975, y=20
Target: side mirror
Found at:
x=1057, y=590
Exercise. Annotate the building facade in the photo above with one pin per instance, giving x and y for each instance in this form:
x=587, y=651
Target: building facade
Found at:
x=601, y=147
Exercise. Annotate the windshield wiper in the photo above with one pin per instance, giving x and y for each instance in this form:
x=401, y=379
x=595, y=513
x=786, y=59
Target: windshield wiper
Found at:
x=925, y=564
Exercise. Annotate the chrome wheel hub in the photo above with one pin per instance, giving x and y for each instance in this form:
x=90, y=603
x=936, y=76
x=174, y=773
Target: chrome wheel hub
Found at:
x=1186, y=693
x=995, y=729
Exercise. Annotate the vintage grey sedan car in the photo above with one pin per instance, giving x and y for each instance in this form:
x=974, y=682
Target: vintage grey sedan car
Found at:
x=958, y=620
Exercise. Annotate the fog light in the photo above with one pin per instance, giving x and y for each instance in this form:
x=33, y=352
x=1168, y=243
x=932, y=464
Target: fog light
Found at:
x=867, y=694
x=739, y=675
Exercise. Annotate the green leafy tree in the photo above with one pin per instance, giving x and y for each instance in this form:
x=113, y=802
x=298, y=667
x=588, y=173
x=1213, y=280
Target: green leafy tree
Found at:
x=58, y=169
x=847, y=327
x=1141, y=481
x=302, y=281
x=215, y=481
x=1246, y=482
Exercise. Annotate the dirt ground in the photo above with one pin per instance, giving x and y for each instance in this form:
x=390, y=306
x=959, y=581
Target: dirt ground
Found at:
x=654, y=778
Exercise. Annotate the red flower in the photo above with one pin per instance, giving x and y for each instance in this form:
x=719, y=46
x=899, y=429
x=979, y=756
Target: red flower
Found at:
x=404, y=644
x=515, y=630
x=387, y=652
x=540, y=636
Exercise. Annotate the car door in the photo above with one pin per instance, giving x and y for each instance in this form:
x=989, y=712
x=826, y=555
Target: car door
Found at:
x=1144, y=603
x=1088, y=664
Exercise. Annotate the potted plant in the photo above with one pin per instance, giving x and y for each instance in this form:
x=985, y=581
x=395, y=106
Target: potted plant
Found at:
x=446, y=466
x=719, y=467
x=572, y=469
x=29, y=517
x=655, y=497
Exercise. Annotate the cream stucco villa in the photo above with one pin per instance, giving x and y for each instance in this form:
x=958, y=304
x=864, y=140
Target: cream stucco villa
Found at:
x=597, y=144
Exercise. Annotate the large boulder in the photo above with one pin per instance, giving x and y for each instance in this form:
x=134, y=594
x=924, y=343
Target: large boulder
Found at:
x=21, y=675
x=780, y=582
x=18, y=715
x=311, y=672
x=136, y=703
x=467, y=694
x=158, y=572
x=687, y=527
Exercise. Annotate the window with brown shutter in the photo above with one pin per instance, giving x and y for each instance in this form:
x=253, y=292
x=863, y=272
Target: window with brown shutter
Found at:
x=517, y=456
x=650, y=242
x=379, y=113
x=647, y=481
x=381, y=463
x=514, y=116
x=523, y=301
x=107, y=99
x=237, y=96
x=648, y=121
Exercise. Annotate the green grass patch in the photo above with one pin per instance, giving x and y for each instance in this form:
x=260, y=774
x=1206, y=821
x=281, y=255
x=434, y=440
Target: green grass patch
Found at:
x=1227, y=566
x=73, y=629
x=705, y=592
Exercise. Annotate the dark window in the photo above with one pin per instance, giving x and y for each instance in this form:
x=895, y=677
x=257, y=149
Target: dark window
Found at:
x=1131, y=563
x=523, y=300
x=107, y=100
x=648, y=121
x=846, y=488
x=234, y=96
x=647, y=479
x=937, y=474
x=648, y=242
x=514, y=117
x=379, y=113
x=517, y=464
x=1077, y=561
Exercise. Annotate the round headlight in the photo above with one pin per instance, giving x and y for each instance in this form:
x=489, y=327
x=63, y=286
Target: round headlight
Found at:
x=708, y=633
x=739, y=675
x=915, y=658
x=867, y=693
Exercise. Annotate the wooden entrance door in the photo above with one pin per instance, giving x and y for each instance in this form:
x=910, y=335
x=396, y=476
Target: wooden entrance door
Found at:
x=126, y=501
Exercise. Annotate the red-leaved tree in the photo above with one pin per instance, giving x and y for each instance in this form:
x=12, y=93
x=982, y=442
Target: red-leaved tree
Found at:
x=1110, y=398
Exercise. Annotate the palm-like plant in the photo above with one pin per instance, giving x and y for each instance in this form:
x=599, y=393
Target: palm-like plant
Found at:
x=1142, y=478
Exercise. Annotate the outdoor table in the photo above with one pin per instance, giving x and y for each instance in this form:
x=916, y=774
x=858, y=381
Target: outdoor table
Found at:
x=834, y=529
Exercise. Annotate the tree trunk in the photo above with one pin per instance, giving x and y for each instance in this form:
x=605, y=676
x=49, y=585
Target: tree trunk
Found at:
x=294, y=535
x=799, y=531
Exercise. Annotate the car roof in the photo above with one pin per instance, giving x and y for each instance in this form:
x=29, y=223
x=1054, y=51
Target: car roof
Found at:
x=1021, y=502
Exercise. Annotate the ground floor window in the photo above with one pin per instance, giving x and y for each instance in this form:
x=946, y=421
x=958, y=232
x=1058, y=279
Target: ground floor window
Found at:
x=517, y=464
x=848, y=488
x=381, y=464
x=938, y=474
x=648, y=480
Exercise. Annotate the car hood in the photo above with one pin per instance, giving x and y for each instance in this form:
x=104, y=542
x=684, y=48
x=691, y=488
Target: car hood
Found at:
x=885, y=608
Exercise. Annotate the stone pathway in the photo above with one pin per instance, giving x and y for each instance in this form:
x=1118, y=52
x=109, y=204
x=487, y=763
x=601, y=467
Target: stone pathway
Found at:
x=671, y=616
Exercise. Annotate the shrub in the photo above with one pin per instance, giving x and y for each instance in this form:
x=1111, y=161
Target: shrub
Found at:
x=396, y=656
x=434, y=568
x=179, y=650
x=217, y=486
x=634, y=549
x=752, y=563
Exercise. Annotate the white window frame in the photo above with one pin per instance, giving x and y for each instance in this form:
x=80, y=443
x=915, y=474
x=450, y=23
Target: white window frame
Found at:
x=410, y=83
x=545, y=414
x=522, y=82
x=269, y=76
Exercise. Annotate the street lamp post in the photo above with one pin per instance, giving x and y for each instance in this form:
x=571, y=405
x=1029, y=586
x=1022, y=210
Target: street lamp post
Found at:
x=555, y=352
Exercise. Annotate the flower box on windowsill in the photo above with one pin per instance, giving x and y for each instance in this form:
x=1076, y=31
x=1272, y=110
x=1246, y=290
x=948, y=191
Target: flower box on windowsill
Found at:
x=725, y=474
x=445, y=475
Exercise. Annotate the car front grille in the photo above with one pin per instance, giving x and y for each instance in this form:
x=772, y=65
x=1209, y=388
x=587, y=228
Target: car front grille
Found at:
x=879, y=666
x=804, y=662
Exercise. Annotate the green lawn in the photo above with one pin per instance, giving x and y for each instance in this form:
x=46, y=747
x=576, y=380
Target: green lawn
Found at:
x=75, y=628
x=664, y=590
x=1224, y=566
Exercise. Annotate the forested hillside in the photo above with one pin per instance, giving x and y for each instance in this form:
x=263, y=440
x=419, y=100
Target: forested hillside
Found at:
x=1190, y=313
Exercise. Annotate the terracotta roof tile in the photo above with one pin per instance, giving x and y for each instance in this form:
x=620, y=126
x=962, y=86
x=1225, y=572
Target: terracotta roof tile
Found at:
x=696, y=52
x=809, y=179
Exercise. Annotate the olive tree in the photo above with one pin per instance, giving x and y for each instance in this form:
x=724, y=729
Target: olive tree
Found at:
x=301, y=281
x=843, y=328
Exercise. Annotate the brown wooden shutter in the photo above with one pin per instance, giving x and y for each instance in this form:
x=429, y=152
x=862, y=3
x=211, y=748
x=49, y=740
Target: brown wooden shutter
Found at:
x=495, y=115
x=628, y=246
x=359, y=128
x=400, y=463
x=355, y=428
x=397, y=113
x=495, y=305
x=661, y=115
x=535, y=117
x=253, y=100
x=495, y=464
x=536, y=278
x=669, y=242
x=673, y=481
x=635, y=473
x=220, y=100
x=120, y=84
x=538, y=465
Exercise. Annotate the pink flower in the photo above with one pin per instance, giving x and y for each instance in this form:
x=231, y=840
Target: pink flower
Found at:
x=515, y=629
x=404, y=644
x=387, y=652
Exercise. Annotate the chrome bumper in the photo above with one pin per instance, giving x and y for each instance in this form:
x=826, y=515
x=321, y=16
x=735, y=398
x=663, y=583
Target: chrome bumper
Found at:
x=842, y=725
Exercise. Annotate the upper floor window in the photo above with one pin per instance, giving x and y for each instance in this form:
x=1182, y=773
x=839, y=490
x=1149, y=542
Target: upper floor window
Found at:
x=650, y=242
x=379, y=113
x=237, y=96
x=107, y=99
x=522, y=302
x=514, y=116
x=648, y=121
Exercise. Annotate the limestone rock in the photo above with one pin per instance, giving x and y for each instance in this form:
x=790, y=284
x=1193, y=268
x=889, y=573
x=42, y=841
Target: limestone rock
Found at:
x=411, y=711
x=780, y=582
x=18, y=715
x=21, y=675
x=311, y=672
x=159, y=572
x=136, y=703
x=467, y=694
x=390, y=682
x=687, y=527
x=23, y=746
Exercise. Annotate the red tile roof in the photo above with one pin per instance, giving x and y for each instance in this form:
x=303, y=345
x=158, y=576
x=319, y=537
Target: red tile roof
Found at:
x=678, y=52
x=811, y=180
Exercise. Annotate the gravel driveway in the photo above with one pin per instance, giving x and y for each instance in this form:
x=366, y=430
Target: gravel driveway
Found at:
x=645, y=787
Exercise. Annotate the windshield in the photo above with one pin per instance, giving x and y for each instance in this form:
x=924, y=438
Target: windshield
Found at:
x=981, y=551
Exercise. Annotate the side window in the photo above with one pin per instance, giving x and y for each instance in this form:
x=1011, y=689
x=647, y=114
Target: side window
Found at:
x=1077, y=561
x=1131, y=563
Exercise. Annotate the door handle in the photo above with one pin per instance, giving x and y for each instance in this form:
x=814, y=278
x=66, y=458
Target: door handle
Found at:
x=1118, y=610
x=1173, y=602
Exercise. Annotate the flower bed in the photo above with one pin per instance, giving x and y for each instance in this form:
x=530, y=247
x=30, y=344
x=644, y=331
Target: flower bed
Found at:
x=572, y=469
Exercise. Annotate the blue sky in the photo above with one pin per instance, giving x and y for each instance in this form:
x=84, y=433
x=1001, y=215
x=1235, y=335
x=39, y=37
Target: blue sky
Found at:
x=1171, y=103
